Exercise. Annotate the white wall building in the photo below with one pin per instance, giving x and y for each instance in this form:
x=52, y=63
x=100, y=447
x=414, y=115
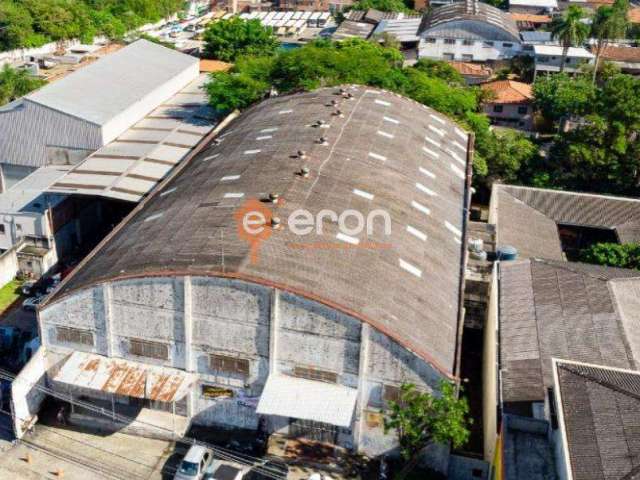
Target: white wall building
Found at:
x=548, y=58
x=468, y=31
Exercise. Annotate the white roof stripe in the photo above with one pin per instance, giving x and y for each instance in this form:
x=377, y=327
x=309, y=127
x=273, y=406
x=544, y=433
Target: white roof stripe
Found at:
x=417, y=233
x=252, y=152
x=377, y=156
x=210, y=157
x=426, y=172
x=229, y=178
x=418, y=206
x=264, y=137
x=363, y=194
x=282, y=112
x=426, y=190
x=269, y=130
x=385, y=134
x=153, y=217
x=431, y=152
x=437, y=119
x=233, y=195
x=460, y=133
x=452, y=228
x=458, y=171
x=439, y=131
x=382, y=102
x=347, y=238
x=432, y=142
x=167, y=192
x=460, y=146
x=410, y=268
x=391, y=120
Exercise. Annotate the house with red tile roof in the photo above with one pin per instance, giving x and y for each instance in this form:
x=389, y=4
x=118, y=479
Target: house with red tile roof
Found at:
x=510, y=103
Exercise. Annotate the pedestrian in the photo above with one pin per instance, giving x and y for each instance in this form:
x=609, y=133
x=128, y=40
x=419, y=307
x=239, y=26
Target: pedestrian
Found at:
x=61, y=417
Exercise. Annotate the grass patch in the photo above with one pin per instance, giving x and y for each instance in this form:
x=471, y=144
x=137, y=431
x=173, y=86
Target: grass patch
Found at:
x=9, y=294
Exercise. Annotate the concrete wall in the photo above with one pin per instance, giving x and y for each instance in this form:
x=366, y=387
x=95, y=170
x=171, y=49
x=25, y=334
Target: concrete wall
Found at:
x=26, y=398
x=8, y=266
x=490, y=394
x=274, y=331
x=510, y=115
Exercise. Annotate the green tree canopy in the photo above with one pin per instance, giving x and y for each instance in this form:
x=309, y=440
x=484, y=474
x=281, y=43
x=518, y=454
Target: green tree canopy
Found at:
x=228, y=39
x=384, y=5
x=420, y=418
x=16, y=83
x=570, y=30
x=610, y=22
x=560, y=96
x=441, y=70
x=626, y=255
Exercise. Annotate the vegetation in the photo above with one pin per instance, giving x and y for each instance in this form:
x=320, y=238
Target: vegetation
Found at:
x=16, y=83
x=420, y=419
x=229, y=39
x=560, y=96
x=610, y=22
x=384, y=5
x=9, y=294
x=31, y=23
x=569, y=30
x=613, y=255
x=151, y=38
x=323, y=63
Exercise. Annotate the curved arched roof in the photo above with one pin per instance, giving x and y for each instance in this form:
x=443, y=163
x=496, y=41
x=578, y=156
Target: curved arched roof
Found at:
x=469, y=19
x=381, y=151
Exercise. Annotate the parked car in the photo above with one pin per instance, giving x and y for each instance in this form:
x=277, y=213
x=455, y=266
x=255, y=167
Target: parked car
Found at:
x=27, y=287
x=31, y=303
x=223, y=470
x=194, y=463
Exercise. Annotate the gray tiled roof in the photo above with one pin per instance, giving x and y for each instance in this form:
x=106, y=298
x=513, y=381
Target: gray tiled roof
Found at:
x=383, y=152
x=469, y=19
x=566, y=310
x=350, y=29
x=527, y=218
x=601, y=413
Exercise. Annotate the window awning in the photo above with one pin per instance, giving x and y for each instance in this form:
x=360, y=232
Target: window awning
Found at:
x=125, y=377
x=308, y=400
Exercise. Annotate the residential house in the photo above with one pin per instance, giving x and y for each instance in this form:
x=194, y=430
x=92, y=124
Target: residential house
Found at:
x=311, y=339
x=510, y=104
x=626, y=58
x=548, y=58
x=530, y=22
x=535, y=7
x=473, y=73
x=468, y=31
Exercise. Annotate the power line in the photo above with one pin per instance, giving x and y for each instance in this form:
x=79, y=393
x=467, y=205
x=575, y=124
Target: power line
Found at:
x=224, y=454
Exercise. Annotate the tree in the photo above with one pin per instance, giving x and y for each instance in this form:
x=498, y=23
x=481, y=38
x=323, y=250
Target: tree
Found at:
x=383, y=5
x=560, y=96
x=16, y=83
x=228, y=39
x=626, y=255
x=441, y=70
x=421, y=418
x=609, y=23
x=569, y=30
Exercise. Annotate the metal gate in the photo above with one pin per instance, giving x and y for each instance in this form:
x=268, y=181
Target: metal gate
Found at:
x=316, y=431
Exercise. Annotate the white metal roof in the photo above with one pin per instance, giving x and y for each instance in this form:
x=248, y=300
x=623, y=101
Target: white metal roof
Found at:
x=534, y=3
x=125, y=377
x=556, y=50
x=130, y=166
x=25, y=196
x=100, y=91
x=308, y=400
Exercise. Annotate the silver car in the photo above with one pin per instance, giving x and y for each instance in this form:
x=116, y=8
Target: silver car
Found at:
x=194, y=463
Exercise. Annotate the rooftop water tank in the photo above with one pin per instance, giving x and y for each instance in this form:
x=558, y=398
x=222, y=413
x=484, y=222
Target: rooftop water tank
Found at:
x=507, y=252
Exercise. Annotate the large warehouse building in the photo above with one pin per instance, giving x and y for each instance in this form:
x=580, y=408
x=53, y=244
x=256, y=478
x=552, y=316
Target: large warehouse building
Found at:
x=313, y=323
x=64, y=121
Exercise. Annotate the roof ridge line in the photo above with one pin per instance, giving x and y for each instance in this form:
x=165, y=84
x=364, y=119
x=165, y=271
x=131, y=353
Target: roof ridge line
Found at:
x=574, y=368
x=566, y=265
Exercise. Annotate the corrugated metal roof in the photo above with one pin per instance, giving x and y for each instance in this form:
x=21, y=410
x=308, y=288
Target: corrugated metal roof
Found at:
x=469, y=19
x=99, y=92
x=124, y=377
x=601, y=413
x=308, y=400
x=565, y=310
x=130, y=166
x=405, y=30
x=350, y=29
x=536, y=36
x=23, y=196
x=534, y=3
x=380, y=143
x=573, y=52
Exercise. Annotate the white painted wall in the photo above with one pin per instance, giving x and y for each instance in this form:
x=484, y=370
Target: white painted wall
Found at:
x=25, y=398
x=467, y=50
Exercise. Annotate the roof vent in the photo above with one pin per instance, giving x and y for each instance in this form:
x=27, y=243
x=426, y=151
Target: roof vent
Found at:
x=320, y=123
x=334, y=102
x=343, y=91
x=274, y=197
x=275, y=222
x=323, y=141
x=338, y=113
x=302, y=154
x=304, y=172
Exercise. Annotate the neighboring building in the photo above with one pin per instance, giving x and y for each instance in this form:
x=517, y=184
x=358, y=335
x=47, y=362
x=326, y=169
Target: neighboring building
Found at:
x=289, y=22
x=64, y=121
x=627, y=59
x=530, y=22
x=405, y=30
x=537, y=37
x=312, y=333
x=634, y=15
x=535, y=7
x=548, y=58
x=598, y=411
x=473, y=73
x=351, y=29
x=469, y=31
x=511, y=104
x=543, y=307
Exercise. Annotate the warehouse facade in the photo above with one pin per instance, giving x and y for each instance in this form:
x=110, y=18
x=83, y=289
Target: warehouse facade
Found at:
x=305, y=335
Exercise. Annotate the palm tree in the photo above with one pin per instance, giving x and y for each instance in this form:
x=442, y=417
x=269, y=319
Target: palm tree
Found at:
x=609, y=23
x=569, y=30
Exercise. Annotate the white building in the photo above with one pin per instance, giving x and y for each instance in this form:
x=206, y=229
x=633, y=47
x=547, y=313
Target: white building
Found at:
x=533, y=6
x=310, y=335
x=548, y=58
x=468, y=31
x=63, y=122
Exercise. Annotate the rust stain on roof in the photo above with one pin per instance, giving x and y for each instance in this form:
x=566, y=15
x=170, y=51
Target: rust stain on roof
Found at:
x=91, y=365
